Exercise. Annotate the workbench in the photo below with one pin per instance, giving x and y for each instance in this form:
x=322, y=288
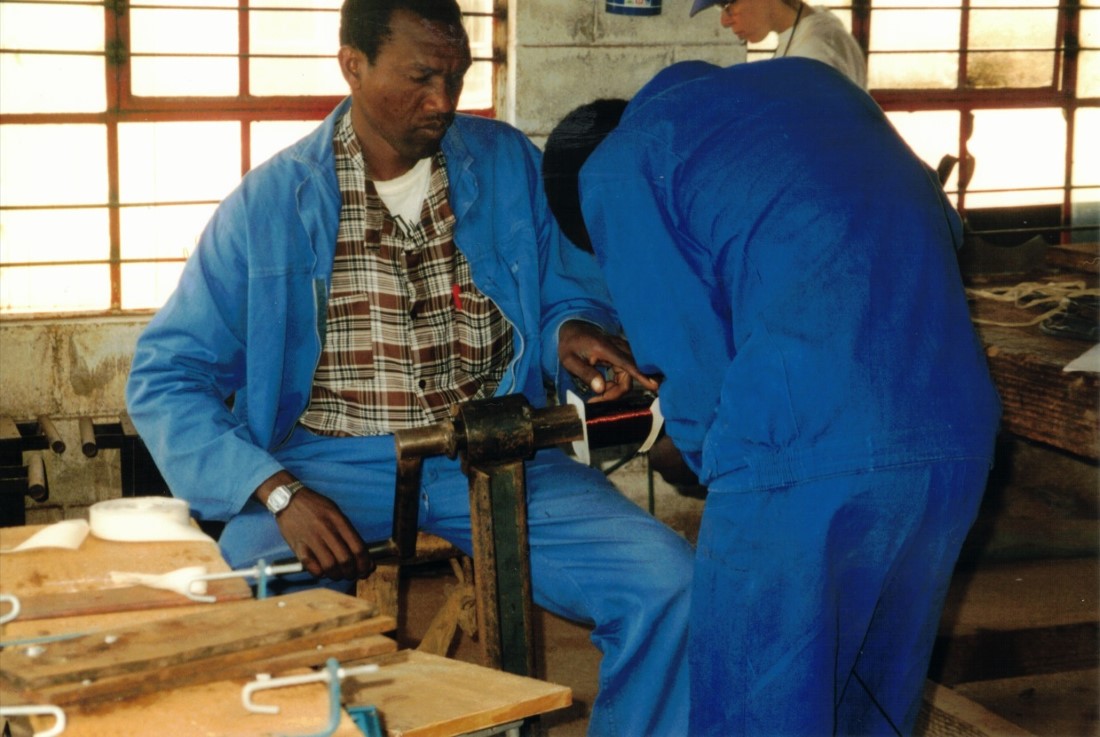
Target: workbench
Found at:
x=129, y=660
x=1040, y=401
x=1018, y=639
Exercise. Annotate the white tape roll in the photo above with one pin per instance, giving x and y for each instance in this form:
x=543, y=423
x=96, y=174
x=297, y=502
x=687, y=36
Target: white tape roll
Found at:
x=143, y=519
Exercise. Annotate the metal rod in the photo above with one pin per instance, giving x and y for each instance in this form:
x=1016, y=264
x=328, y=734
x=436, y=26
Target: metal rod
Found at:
x=37, y=488
x=87, y=437
x=45, y=424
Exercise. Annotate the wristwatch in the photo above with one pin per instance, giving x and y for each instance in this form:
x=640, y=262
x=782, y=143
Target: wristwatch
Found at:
x=280, y=497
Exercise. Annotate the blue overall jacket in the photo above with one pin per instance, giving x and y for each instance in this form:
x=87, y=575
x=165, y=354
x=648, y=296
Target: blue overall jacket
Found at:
x=776, y=251
x=247, y=320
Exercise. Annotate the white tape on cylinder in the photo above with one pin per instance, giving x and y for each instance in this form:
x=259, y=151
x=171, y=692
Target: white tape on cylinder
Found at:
x=143, y=519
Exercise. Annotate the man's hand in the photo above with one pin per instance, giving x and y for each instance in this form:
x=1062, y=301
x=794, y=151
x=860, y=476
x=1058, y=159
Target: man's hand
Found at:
x=583, y=346
x=319, y=534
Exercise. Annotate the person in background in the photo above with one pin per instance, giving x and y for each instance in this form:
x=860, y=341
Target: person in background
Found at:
x=814, y=32
x=788, y=266
x=396, y=261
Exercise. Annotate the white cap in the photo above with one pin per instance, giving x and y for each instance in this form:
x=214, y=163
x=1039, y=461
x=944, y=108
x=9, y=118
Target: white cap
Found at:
x=702, y=5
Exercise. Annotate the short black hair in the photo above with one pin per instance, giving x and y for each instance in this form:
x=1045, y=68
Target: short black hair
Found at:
x=365, y=24
x=567, y=148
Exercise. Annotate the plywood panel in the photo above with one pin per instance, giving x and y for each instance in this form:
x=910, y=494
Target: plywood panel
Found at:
x=423, y=695
x=54, y=582
x=191, y=648
x=210, y=709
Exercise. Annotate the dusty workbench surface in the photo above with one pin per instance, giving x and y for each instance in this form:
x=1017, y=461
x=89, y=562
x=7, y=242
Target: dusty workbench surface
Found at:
x=1041, y=402
x=423, y=695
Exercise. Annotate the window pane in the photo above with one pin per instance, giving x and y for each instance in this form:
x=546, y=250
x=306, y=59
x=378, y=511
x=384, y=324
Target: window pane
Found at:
x=51, y=27
x=1002, y=162
x=995, y=69
x=293, y=32
x=1088, y=74
x=147, y=286
x=31, y=236
x=316, y=4
x=166, y=162
x=1013, y=29
x=914, y=29
x=1090, y=26
x=912, y=71
x=190, y=77
x=1086, y=148
x=193, y=3
x=183, y=31
x=1003, y=30
x=268, y=138
x=931, y=135
x=54, y=289
x=164, y=231
x=1088, y=71
x=476, y=6
x=480, y=31
x=477, y=90
x=52, y=83
x=28, y=181
x=296, y=77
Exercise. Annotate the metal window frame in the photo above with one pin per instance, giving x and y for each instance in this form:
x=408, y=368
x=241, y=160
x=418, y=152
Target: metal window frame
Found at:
x=1059, y=94
x=122, y=106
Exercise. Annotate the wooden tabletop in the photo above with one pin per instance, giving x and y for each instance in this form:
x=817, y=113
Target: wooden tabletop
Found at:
x=1040, y=401
x=422, y=695
x=135, y=663
x=55, y=584
x=209, y=709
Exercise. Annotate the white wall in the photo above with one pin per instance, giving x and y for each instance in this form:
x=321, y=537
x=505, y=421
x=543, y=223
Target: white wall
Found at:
x=565, y=53
x=562, y=53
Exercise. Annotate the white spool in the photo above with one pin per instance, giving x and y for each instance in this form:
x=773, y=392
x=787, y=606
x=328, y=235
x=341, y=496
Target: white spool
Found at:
x=143, y=519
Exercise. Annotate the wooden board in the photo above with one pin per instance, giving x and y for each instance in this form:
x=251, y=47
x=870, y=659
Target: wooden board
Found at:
x=1040, y=401
x=193, y=648
x=1075, y=257
x=455, y=697
x=345, y=645
x=945, y=713
x=1025, y=594
x=1017, y=618
x=209, y=709
x=53, y=582
x=21, y=630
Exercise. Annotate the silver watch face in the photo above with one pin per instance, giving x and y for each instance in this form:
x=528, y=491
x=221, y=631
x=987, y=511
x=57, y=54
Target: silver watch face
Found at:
x=278, y=499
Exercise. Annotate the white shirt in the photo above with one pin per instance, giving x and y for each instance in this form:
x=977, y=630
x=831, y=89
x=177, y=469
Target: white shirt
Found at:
x=404, y=195
x=821, y=35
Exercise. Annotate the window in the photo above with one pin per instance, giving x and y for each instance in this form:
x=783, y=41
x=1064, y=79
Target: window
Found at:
x=123, y=125
x=1005, y=94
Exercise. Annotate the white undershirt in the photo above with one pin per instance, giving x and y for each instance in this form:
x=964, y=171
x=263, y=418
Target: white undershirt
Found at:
x=404, y=195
